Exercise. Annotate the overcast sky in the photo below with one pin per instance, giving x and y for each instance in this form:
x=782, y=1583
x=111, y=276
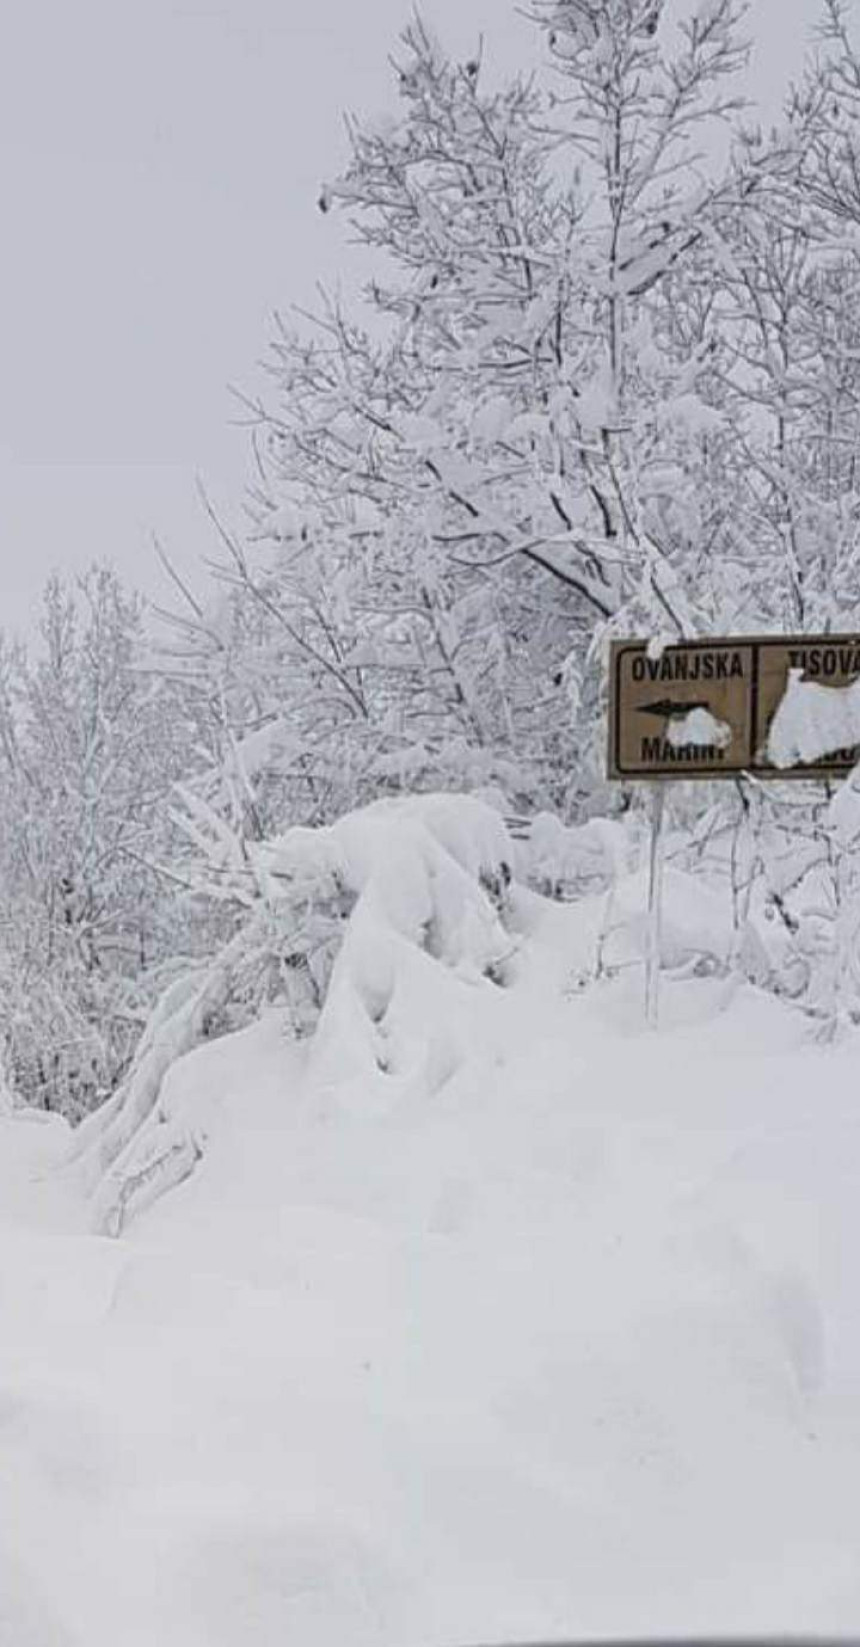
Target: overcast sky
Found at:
x=159, y=167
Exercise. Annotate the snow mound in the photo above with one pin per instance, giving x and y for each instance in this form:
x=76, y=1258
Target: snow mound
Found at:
x=563, y=861
x=421, y=884
x=545, y=1329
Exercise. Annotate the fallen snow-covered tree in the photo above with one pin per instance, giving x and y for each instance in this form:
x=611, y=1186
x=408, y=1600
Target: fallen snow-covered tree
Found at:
x=341, y=921
x=381, y=940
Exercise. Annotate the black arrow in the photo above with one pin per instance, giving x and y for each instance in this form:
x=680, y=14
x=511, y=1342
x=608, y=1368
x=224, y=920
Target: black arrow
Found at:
x=669, y=711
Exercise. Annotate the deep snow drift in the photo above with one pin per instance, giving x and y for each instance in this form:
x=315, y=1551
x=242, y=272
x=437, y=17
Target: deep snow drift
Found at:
x=551, y=1328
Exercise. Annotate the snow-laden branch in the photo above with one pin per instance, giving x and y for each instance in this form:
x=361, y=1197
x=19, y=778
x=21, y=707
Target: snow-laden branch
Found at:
x=424, y=881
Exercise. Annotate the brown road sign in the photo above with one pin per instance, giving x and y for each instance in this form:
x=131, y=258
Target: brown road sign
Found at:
x=703, y=708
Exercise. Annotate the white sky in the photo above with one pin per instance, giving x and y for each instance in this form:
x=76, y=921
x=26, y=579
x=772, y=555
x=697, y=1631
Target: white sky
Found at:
x=159, y=168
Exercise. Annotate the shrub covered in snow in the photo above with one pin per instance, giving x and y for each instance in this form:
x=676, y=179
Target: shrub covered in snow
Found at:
x=341, y=923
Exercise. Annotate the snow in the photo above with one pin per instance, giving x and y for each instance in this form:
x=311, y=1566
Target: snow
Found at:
x=422, y=432
x=813, y=721
x=492, y=418
x=257, y=750
x=554, y=856
x=700, y=728
x=560, y=1338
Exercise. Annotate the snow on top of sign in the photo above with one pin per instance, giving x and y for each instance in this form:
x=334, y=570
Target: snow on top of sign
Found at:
x=812, y=721
x=658, y=643
x=701, y=729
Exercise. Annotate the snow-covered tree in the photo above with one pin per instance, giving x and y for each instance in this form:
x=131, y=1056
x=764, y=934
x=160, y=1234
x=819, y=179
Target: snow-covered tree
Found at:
x=604, y=380
x=463, y=487
x=90, y=744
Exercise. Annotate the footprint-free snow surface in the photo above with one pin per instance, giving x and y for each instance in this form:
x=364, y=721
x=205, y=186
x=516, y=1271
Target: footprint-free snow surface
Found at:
x=562, y=1338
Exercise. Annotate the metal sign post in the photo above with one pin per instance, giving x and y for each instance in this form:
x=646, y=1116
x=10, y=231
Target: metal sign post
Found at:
x=655, y=906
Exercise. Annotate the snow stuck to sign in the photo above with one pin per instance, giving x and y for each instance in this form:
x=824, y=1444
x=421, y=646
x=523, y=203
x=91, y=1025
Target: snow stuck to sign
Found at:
x=546, y=1329
x=701, y=729
x=813, y=721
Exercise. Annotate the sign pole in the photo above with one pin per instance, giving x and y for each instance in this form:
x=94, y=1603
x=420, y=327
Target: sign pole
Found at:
x=655, y=905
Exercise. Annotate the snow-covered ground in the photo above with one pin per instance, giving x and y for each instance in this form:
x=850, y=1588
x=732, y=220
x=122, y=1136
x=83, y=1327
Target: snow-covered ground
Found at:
x=562, y=1337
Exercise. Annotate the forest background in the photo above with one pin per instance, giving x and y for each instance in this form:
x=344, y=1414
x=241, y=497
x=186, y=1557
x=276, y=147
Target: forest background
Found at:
x=603, y=380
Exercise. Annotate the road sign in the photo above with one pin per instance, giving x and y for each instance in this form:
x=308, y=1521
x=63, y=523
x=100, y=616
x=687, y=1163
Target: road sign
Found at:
x=703, y=708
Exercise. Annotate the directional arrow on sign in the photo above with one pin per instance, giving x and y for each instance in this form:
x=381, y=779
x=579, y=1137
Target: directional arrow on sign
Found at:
x=666, y=710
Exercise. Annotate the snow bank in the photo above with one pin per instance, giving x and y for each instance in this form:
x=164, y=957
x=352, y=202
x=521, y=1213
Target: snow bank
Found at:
x=418, y=911
x=477, y=1306
x=568, y=1347
x=565, y=862
x=420, y=884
